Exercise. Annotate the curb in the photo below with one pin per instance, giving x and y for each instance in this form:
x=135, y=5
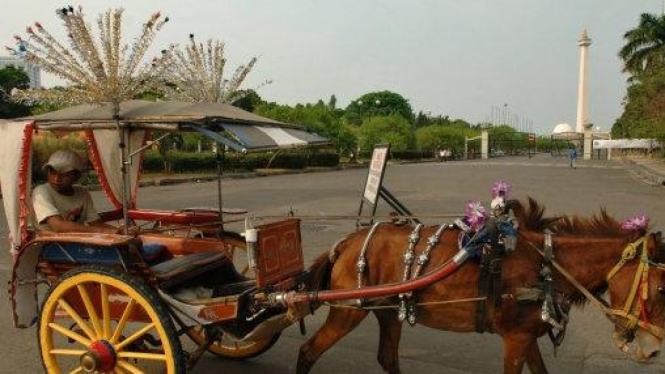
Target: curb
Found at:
x=649, y=175
x=258, y=173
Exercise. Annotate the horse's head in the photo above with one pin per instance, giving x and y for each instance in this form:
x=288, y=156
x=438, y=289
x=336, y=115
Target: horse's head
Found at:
x=637, y=297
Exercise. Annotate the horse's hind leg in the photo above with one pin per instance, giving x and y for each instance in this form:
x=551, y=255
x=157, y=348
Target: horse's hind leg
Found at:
x=534, y=359
x=390, y=333
x=339, y=323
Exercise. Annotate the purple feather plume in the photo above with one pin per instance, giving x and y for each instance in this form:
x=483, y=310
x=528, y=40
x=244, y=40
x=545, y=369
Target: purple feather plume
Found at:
x=639, y=222
x=475, y=215
x=500, y=187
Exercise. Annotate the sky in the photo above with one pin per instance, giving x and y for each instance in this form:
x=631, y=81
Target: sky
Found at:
x=447, y=57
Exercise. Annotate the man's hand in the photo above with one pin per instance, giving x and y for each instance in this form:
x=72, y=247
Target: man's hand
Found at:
x=132, y=230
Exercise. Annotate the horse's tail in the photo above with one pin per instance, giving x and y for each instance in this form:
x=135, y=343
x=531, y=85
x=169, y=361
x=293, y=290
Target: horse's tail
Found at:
x=321, y=270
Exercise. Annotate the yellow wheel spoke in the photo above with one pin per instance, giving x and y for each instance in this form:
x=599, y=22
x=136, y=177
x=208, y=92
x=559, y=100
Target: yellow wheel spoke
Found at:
x=106, y=313
x=69, y=333
x=109, y=305
x=143, y=356
x=67, y=352
x=123, y=321
x=79, y=321
x=129, y=367
x=134, y=336
x=92, y=314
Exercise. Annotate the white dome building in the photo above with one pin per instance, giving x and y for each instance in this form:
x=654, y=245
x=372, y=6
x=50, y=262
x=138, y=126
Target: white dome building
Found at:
x=561, y=128
x=564, y=131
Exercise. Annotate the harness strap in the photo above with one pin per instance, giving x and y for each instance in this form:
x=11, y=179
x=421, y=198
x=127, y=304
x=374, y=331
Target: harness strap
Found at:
x=422, y=261
x=636, y=322
x=634, y=288
x=409, y=256
x=362, y=260
x=640, y=286
x=490, y=282
x=628, y=254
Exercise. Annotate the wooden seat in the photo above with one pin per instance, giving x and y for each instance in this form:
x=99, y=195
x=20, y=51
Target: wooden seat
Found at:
x=180, y=269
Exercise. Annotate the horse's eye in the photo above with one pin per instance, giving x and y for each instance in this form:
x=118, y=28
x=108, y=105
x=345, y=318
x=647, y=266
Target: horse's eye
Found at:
x=661, y=290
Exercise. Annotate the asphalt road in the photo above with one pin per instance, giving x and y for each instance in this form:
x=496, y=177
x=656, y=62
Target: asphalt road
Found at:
x=424, y=188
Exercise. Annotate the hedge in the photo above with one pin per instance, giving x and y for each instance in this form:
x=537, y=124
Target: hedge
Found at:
x=186, y=162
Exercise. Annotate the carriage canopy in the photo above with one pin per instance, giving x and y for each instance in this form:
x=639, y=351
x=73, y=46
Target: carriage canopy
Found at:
x=238, y=129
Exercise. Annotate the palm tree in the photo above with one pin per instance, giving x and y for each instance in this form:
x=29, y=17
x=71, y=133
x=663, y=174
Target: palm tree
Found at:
x=645, y=45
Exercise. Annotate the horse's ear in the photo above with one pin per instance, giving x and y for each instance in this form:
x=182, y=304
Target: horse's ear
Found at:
x=516, y=207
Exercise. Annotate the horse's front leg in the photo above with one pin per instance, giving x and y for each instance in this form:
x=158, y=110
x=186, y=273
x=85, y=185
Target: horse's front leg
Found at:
x=339, y=323
x=390, y=332
x=516, y=346
x=534, y=360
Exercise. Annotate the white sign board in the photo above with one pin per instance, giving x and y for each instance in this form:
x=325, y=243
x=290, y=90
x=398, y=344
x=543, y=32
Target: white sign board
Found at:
x=626, y=144
x=375, y=174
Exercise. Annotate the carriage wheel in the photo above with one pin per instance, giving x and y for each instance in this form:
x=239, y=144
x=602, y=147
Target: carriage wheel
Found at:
x=104, y=338
x=228, y=347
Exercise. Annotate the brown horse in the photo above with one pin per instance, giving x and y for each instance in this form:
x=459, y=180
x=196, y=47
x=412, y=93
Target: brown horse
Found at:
x=587, y=248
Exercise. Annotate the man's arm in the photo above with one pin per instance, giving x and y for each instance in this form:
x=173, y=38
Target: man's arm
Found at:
x=58, y=224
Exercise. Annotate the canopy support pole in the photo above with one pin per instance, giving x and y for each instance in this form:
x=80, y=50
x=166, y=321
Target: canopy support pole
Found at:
x=123, y=132
x=219, y=157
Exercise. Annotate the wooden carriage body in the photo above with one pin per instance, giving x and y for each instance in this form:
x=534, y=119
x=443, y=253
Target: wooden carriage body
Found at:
x=278, y=251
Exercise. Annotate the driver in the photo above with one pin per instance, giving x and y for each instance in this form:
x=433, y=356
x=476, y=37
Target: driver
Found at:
x=61, y=206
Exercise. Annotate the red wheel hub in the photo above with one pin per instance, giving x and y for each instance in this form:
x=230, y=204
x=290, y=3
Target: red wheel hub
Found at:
x=99, y=357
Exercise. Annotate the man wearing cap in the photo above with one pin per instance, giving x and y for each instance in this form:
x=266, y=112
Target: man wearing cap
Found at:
x=61, y=206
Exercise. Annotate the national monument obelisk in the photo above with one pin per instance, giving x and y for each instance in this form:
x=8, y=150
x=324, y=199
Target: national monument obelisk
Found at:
x=582, y=121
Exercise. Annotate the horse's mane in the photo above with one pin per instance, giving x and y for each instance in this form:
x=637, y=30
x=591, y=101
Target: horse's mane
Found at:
x=532, y=218
x=601, y=224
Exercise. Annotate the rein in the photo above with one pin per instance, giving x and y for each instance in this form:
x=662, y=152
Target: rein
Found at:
x=640, y=283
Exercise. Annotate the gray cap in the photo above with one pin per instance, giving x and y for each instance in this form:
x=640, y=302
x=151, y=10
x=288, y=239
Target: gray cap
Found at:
x=64, y=161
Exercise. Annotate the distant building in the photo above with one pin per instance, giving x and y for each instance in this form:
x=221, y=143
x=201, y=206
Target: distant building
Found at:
x=33, y=72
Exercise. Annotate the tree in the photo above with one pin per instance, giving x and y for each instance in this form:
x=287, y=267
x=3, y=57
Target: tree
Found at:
x=332, y=103
x=247, y=100
x=644, y=108
x=150, y=95
x=12, y=77
x=645, y=45
x=433, y=137
x=318, y=117
x=382, y=103
x=393, y=129
x=644, y=58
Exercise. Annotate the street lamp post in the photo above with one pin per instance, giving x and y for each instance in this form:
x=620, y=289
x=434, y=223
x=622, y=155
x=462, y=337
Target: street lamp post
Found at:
x=360, y=110
x=505, y=114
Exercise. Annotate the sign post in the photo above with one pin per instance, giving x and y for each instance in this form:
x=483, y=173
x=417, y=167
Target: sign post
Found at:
x=374, y=187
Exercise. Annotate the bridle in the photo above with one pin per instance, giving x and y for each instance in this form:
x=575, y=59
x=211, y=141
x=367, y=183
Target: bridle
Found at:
x=634, y=313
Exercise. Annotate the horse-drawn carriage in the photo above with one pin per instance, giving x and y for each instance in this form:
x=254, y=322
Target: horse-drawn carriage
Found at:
x=121, y=303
